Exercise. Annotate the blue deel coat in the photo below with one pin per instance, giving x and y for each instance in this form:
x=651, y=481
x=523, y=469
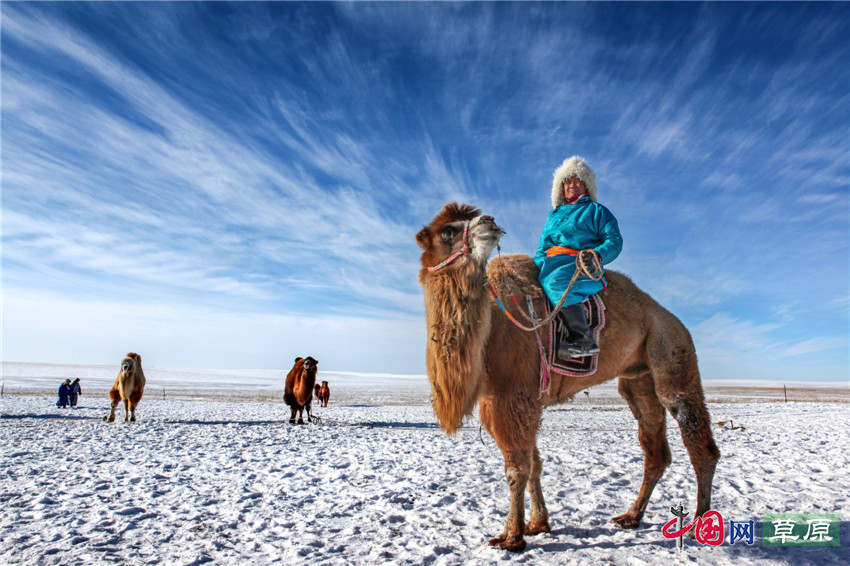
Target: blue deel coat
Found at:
x=581, y=225
x=64, y=392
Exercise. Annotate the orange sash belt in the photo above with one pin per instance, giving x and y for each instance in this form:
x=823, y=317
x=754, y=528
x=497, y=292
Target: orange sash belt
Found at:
x=558, y=250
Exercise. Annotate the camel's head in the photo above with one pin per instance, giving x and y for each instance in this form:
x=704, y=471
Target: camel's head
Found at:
x=128, y=364
x=457, y=235
x=306, y=368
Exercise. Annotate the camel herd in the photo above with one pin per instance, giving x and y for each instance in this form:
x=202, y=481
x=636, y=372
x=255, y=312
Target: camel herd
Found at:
x=129, y=387
x=476, y=357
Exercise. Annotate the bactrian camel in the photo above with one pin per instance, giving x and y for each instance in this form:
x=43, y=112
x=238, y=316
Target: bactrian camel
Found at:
x=475, y=354
x=128, y=388
x=298, y=389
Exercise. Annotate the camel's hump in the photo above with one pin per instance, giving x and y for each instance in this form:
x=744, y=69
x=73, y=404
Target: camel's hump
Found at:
x=520, y=271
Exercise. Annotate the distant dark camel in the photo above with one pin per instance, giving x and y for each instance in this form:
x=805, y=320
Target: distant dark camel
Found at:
x=129, y=387
x=298, y=392
x=475, y=354
x=316, y=389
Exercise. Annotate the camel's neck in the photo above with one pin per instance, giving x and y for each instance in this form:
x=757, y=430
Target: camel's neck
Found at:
x=304, y=388
x=125, y=382
x=457, y=310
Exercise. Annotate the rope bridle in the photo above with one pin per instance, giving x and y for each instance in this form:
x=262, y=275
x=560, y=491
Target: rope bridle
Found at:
x=464, y=251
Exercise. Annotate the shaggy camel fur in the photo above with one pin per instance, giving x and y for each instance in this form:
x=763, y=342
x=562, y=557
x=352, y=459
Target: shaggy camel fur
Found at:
x=129, y=387
x=475, y=354
x=324, y=394
x=298, y=391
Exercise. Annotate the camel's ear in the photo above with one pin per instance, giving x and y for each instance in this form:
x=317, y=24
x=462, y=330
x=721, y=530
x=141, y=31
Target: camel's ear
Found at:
x=423, y=238
x=297, y=359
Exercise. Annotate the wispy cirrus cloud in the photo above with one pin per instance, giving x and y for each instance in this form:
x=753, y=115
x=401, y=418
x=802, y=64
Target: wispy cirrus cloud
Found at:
x=228, y=156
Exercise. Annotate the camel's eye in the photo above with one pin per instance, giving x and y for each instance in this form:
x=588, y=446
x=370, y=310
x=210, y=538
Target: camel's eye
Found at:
x=447, y=234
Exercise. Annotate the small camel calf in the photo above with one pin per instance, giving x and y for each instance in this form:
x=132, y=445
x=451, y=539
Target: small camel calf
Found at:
x=129, y=387
x=324, y=394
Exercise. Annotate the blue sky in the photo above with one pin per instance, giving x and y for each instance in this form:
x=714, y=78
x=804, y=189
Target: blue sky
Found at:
x=231, y=185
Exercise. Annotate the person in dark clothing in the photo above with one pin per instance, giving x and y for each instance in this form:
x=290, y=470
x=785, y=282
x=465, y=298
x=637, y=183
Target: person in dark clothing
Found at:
x=75, y=392
x=64, y=392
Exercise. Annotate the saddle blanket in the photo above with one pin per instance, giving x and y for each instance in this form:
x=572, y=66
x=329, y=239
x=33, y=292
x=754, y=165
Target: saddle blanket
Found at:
x=594, y=308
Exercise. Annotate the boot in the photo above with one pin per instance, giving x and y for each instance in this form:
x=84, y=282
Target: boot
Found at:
x=581, y=342
x=566, y=343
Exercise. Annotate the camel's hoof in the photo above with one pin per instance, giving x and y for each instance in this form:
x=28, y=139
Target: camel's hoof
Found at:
x=291, y=421
x=626, y=521
x=300, y=421
x=512, y=544
x=537, y=528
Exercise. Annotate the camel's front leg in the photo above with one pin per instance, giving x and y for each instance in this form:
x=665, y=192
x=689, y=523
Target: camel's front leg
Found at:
x=517, y=471
x=134, y=402
x=126, y=410
x=539, y=520
x=111, y=416
x=114, y=399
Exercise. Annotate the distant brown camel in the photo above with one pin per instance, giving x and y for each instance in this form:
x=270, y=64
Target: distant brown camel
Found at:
x=298, y=391
x=316, y=389
x=129, y=387
x=324, y=394
x=475, y=354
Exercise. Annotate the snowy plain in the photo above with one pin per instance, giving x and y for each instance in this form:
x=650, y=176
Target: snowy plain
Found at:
x=212, y=472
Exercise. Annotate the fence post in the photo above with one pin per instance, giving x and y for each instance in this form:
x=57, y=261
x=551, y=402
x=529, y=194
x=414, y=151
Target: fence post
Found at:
x=2, y=385
x=786, y=393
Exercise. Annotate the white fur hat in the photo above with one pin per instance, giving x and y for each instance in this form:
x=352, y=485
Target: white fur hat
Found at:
x=574, y=166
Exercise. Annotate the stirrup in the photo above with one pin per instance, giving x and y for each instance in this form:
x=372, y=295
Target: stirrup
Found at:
x=582, y=351
x=565, y=351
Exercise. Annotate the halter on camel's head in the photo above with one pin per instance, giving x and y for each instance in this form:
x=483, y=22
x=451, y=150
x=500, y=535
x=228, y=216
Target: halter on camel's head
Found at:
x=461, y=252
x=457, y=224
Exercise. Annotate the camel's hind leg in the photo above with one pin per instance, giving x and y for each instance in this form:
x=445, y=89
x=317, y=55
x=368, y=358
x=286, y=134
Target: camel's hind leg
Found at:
x=674, y=369
x=539, y=520
x=640, y=394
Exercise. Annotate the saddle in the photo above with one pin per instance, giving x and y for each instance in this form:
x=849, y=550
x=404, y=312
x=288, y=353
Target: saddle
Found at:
x=594, y=308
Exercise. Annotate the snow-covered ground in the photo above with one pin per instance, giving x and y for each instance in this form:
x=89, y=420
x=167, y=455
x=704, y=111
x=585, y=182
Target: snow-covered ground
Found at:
x=197, y=481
